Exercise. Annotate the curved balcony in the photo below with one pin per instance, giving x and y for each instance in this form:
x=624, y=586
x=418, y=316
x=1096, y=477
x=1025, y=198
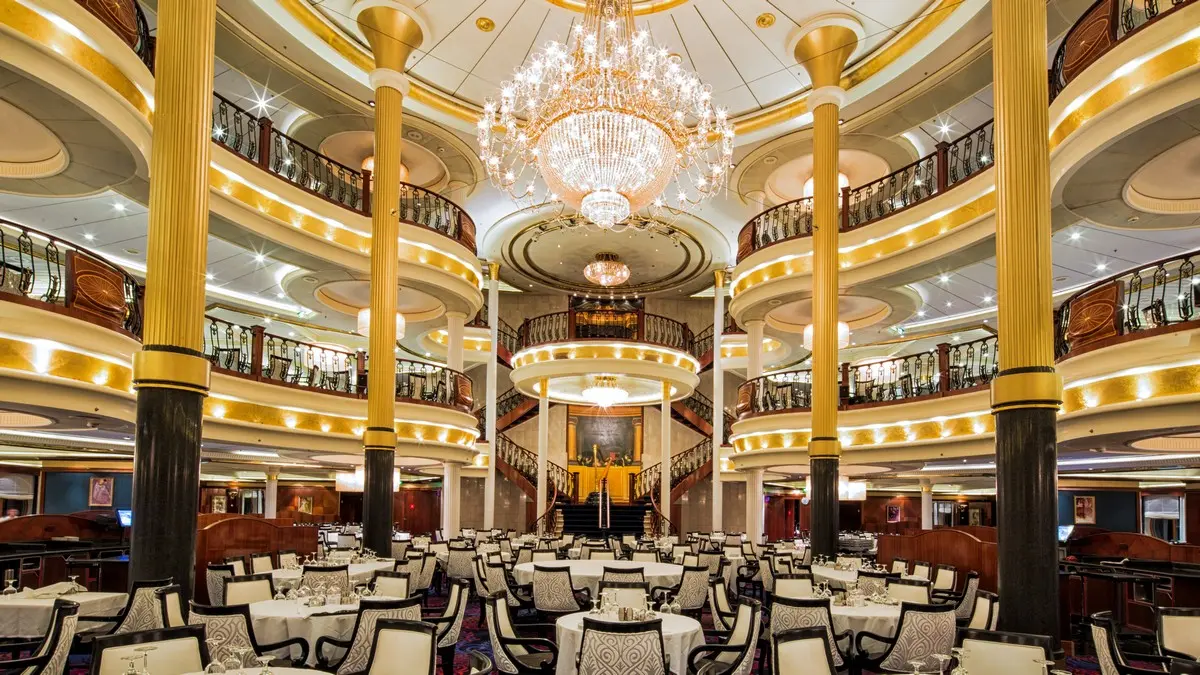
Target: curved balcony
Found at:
x=605, y=324
x=949, y=166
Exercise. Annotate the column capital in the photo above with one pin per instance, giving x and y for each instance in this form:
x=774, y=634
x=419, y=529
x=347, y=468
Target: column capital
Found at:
x=493, y=269
x=824, y=45
x=386, y=77
x=456, y=314
x=272, y=473
x=720, y=278
x=832, y=95
x=394, y=28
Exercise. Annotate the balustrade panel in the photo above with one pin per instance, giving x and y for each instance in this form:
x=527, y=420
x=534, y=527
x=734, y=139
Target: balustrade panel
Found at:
x=228, y=346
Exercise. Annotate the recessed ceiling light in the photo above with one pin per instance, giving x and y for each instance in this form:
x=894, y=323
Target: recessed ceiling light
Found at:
x=132, y=251
x=258, y=257
x=210, y=276
x=945, y=278
x=89, y=237
x=987, y=298
x=1100, y=267
x=281, y=295
x=1075, y=235
x=920, y=312
x=949, y=304
x=118, y=206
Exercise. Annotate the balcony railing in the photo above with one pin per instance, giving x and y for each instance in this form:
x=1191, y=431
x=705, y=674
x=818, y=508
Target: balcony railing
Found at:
x=252, y=352
x=950, y=164
x=948, y=369
x=41, y=269
x=1102, y=26
x=1154, y=298
x=646, y=482
x=634, y=326
x=524, y=461
x=703, y=343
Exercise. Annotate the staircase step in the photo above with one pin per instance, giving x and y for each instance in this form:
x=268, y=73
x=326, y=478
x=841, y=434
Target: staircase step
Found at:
x=584, y=519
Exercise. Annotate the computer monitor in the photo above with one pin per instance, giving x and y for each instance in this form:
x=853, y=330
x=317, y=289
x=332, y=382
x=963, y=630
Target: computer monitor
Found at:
x=1064, y=531
x=125, y=517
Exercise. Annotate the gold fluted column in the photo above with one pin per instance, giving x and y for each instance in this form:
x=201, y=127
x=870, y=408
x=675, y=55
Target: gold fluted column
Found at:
x=823, y=46
x=1027, y=392
x=393, y=30
x=170, y=372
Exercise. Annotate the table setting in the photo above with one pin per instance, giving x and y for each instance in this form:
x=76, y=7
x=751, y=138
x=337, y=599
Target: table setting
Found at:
x=309, y=615
x=681, y=634
x=26, y=613
x=587, y=573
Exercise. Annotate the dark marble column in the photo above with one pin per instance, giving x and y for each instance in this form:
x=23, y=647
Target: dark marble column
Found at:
x=166, y=485
x=377, y=500
x=1027, y=510
x=823, y=506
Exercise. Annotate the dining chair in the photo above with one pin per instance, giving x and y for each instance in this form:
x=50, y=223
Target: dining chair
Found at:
x=712, y=560
x=719, y=606
x=545, y=556
x=141, y=612
x=261, y=563
x=170, y=606
x=422, y=582
x=636, y=574
x=627, y=593
x=512, y=653
x=239, y=565
x=214, y=577
x=479, y=663
x=175, y=651
x=981, y=614
x=603, y=554
x=791, y=613
x=358, y=647
x=802, y=651
x=644, y=556
x=735, y=654
x=1178, y=631
x=498, y=579
x=554, y=593
x=899, y=566
x=909, y=590
x=400, y=641
x=248, y=589
x=48, y=656
x=923, y=630
x=608, y=648
x=691, y=592
x=390, y=584
x=288, y=557
x=449, y=622
x=987, y=652
x=232, y=628
x=1108, y=652
x=920, y=569
x=871, y=583
x=964, y=603
x=460, y=563
x=945, y=579
x=794, y=585
x=335, y=578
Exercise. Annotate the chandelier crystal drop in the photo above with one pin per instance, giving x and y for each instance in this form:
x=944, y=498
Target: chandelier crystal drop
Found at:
x=606, y=270
x=604, y=391
x=608, y=122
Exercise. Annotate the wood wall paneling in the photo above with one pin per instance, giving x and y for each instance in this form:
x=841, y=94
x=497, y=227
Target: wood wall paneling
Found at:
x=241, y=536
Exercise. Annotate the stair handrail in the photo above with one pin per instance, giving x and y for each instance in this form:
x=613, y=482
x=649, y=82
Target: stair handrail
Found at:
x=525, y=463
x=701, y=405
x=662, y=523
x=646, y=482
x=551, y=505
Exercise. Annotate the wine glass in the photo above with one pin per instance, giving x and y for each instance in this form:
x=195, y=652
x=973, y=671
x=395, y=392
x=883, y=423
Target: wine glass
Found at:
x=144, y=653
x=595, y=605
x=75, y=587
x=959, y=668
x=10, y=582
x=265, y=662
x=916, y=665
x=214, y=667
x=241, y=656
x=942, y=659
x=131, y=669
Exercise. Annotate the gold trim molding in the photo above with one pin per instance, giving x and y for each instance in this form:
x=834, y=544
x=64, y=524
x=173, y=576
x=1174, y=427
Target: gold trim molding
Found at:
x=632, y=351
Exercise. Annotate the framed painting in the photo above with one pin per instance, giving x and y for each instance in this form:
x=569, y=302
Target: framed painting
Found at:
x=218, y=504
x=1085, y=510
x=598, y=436
x=100, y=492
x=306, y=505
x=893, y=513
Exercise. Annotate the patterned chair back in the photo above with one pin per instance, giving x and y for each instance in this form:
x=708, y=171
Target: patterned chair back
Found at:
x=744, y=634
x=400, y=549
x=499, y=624
x=712, y=561
x=287, y=558
x=966, y=607
x=524, y=555
x=370, y=611
x=456, y=608
x=924, y=630
x=215, y=577
x=791, y=613
x=634, y=574
x=766, y=570
x=693, y=588
x=144, y=612
x=335, y=579
x=873, y=582
x=608, y=648
x=553, y=590
x=56, y=645
x=718, y=604
x=497, y=580
x=460, y=563
x=229, y=627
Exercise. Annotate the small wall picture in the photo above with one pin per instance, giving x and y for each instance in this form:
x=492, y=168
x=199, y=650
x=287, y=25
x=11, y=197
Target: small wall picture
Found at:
x=100, y=492
x=893, y=513
x=1085, y=510
x=305, y=505
x=218, y=504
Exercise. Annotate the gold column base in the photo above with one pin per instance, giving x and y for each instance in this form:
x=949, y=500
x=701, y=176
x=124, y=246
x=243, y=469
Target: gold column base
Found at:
x=824, y=447
x=162, y=369
x=379, y=439
x=1027, y=389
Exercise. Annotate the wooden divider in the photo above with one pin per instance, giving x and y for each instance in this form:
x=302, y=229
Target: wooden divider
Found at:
x=1134, y=546
x=945, y=546
x=243, y=536
x=46, y=527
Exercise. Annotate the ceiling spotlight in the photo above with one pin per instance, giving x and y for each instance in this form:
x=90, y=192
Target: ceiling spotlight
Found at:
x=949, y=304
x=89, y=237
x=258, y=258
x=945, y=278
x=1076, y=235
x=921, y=312
x=210, y=276
x=119, y=207
x=987, y=298
x=1100, y=267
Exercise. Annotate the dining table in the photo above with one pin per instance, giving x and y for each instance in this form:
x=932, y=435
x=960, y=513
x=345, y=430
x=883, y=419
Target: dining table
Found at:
x=880, y=619
x=833, y=576
x=26, y=614
x=681, y=634
x=279, y=620
x=587, y=573
x=360, y=573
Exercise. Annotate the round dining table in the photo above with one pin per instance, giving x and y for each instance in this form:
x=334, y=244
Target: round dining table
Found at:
x=681, y=634
x=587, y=573
x=871, y=617
x=278, y=620
x=833, y=576
x=27, y=614
x=360, y=573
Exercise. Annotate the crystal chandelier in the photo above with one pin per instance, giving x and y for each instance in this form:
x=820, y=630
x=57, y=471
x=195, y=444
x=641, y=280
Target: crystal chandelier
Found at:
x=608, y=121
x=604, y=391
x=606, y=270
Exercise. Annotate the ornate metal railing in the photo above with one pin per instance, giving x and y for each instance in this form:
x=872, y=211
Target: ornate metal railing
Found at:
x=703, y=342
x=950, y=164
x=524, y=462
x=699, y=404
x=646, y=482
x=950, y=367
x=146, y=43
x=39, y=267
x=1154, y=297
x=508, y=338
x=300, y=165
x=605, y=325
x=510, y=401
x=252, y=352
x=1101, y=27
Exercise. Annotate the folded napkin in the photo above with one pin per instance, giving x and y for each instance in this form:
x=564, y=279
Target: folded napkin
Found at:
x=51, y=591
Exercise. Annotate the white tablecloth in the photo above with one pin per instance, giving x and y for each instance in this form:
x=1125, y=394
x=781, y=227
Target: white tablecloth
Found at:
x=681, y=634
x=587, y=573
x=25, y=616
x=360, y=573
x=834, y=577
x=278, y=620
x=877, y=619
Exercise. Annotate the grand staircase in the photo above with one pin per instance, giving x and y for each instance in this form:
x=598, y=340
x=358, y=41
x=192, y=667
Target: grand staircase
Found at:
x=519, y=466
x=584, y=519
x=686, y=469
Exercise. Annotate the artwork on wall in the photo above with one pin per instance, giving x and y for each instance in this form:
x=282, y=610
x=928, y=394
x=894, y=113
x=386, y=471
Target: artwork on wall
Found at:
x=1085, y=510
x=306, y=505
x=597, y=435
x=100, y=492
x=218, y=504
x=893, y=513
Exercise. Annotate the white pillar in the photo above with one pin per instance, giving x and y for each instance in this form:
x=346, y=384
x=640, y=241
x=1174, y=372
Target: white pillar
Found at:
x=718, y=397
x=754, y=349
x=754, y=505
x=926, y=504
x=454, y=346
x=543, y=449
x=664, y=478
x=451, y=495
x=271, y=494
x=489, y=485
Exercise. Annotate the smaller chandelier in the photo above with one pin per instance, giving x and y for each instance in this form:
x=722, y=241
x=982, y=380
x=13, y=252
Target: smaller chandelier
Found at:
x=604, y=391
x=606, y=270
x=363, y=327
x=843, y=336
